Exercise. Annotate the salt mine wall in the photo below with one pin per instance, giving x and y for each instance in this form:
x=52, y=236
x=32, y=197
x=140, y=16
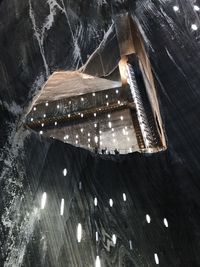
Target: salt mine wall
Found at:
x=133, y=210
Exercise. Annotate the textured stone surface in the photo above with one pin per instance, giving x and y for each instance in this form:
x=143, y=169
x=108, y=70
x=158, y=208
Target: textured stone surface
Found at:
x=37, y=38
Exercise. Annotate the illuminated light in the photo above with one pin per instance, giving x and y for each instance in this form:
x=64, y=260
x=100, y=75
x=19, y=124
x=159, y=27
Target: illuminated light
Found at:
x=88, y=139
x=95, y=125
x=82, y=130
x=42, y=124
x=156, y=258
x=96, y=139
x=148, y=218
x=124, y=132
x=43, y=200
x=130, y=149
x=108, y=115
x=88, y=134
x=97, y=262
x=107, y=104
x=88, y=145
x=93, y=94
x=126, y=127
x=117, y=91
x=124, y=197
x=101, y=143
x=95, y=201
x=114, y=239
x=110, y=124
x=55, y=123
x=111, y=202
x=58, y=106
x=95, y=114
x=77, y=136
x=31, y=119
x=79, y=233
x=97, y=236
x=66, y=137
x=65, y=172
x=166, y=222
x=34, y=108
x=41, y=132
x=118, y=102
x=81, y=115
x=175, y=8
x=68, y=115
x=113, y=134
x=194, y=27
x=62, y=206
x=112, y=129
x=196, y=8
x=44, y=115
x=121, y=118
x=106, y=96
x=46, y=104
x=76, y=141
x=130, y=245
x=100, y=132
x=82, y=99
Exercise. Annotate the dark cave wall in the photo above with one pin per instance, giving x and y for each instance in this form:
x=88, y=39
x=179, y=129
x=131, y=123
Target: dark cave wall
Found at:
x=164, y=185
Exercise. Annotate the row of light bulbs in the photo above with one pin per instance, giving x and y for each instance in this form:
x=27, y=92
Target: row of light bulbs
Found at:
x=82, y=99
x=194, y=27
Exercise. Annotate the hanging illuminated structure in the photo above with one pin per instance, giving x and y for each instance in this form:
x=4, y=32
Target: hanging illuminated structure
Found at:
x=110, y=104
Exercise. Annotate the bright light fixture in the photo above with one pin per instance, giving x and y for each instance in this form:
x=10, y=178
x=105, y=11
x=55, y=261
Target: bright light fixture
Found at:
x=43, y=200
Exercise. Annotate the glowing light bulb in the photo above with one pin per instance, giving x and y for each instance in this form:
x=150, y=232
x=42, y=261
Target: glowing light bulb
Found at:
x=106, y=96
x=95, y=114
x=79, y=233
x=58, y=106
x=107, y=104
x=114, y=239
x=34, y=108
x=95, y=201
x=66, y=137
x=117, y=91
x=196, y=8
x=88, y=134
x=97, y=262
x=96, y=139
x=175, y=8
x=68, y=115
x=46, y=104
x=110, y=202
x=124, y=197
x=108, y=115
x=93, y=94
x=110, y=124
x=81, y=115
x=166, y=222
x=55, y=123
x=41, y=132
x=118, y=102
x=62, y=206
x=121, y=118
x=82, y=130
x=76, y=141
x=65, y=172
x=194, y=27
x=97, y=236
x=42, y=124
x=156, y=258
x=44, y=115
x=43, y=200
x=77, y=136
x=95, y=125
x=148, y=218
x=31, y=119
